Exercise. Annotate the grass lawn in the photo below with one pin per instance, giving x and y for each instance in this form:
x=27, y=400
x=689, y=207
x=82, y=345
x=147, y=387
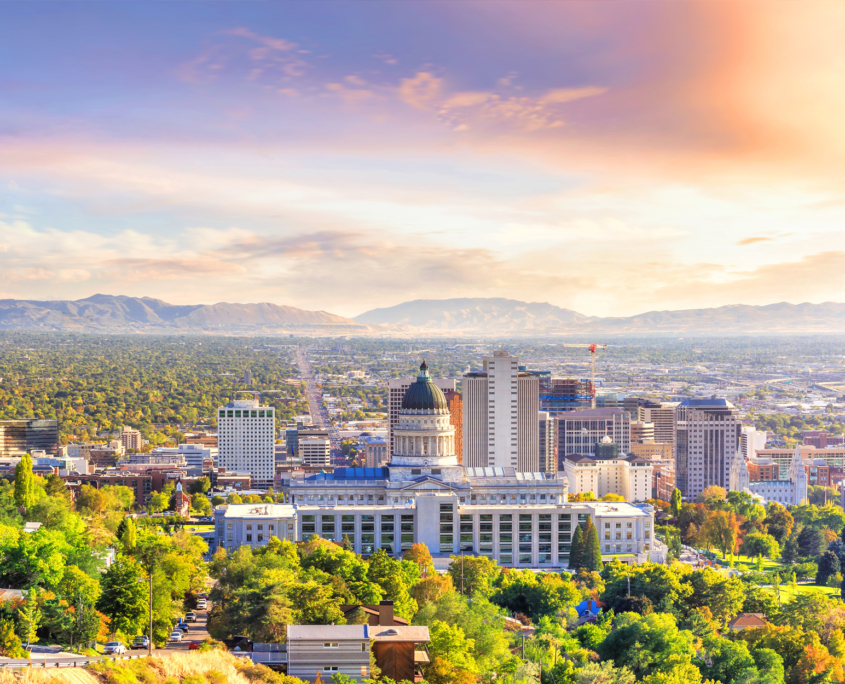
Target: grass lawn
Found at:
x=751, y=562
x=786, y=593
x=199, y=528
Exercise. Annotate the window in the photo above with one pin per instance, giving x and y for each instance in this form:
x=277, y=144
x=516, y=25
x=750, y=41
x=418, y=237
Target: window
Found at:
x=329, y=668
x=331, y=644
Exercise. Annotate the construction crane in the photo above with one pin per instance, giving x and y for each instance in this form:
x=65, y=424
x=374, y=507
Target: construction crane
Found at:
x=592, y=348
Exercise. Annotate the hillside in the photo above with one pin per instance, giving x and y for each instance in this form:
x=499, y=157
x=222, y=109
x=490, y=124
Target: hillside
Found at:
x=108, y=313
x=507, y=316
x=490, y=315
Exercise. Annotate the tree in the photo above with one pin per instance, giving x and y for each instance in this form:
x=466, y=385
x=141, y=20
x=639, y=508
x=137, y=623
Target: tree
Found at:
x=420, y=555
x=724, y=596
x=592, y=548
x=129, y=535
x=30, y=617
x=387, y=573
x=124, y=599
x=346, y=543
x=676, y=502
x=811, y=542
x=757, y=544
x=200, y=504
x=54, y=486
x=159, y=501
x=234, y=498
x=10, y=643
x=604, y=673
x=714, y=497
x=647, y=643
x=828, y=567
x=576, y=551
x=451, y=643
x=779, y=521
x=432, y=588
x=472, y=574
x=789, y=553
x=24, y=483
x=722, y=529
x=199, y=486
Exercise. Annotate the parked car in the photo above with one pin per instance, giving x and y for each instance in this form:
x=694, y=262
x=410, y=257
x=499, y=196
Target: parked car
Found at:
x=114, y=648
x=193, y=646
x=175, y=635
x=202, y=604
x=182, y=626
x=191, y=617
x=141, y=641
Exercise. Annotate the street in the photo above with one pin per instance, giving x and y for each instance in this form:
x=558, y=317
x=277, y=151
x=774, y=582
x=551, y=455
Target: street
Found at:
x=319, y=415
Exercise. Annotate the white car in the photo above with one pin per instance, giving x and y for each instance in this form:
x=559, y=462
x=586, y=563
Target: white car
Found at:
x=114, y=648
x=202, y=605
x=175, y=636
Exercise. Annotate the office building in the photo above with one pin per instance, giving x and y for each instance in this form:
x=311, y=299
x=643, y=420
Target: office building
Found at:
x=662, y=416
x=18, y=437
x=396, y=389
x=247, y=440
x=374, y=451
x=192, y=455
x=501, y=416
x=627, y=476
x=663, y=477
x=424, y=496
x=580, y=431
x=454, y=402
x=751, y=441
x=315, y=451
x=820, y=439
x=642, y=431
x=131, y=439
x=707, y=434
x=652, y=450
x=547, y=438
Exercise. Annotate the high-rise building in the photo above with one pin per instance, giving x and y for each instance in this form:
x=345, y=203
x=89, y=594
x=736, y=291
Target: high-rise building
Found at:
x=396, y=389
x=131, y=439
x=707, y=434
x=456, y=412
x=247, y=377
x=548, y=442
x=751, y=441
x=501, y=415
x=247, y=440
x=641, y=431
x=580, y=431
x=18, y=437
x=662, y=416
x=315, y=451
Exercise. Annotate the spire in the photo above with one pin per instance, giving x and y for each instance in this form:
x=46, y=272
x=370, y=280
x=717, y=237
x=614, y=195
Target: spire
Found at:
x=423, y=376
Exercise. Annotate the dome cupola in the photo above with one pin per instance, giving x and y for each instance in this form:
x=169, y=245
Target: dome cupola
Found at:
x=424, y=395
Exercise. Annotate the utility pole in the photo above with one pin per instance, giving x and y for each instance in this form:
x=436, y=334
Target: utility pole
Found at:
x=462, y=572
x=150, y=644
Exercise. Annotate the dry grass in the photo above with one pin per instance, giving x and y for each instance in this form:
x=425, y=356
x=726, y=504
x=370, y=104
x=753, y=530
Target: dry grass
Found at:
x=57, y=676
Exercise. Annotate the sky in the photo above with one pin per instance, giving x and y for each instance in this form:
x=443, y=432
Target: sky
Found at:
x=607, y=157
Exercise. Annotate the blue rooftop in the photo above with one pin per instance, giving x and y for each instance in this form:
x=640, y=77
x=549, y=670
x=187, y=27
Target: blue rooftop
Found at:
x=707, y=403
x=351, y=474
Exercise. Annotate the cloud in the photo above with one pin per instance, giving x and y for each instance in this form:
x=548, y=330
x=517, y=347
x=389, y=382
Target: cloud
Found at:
x=753, y=240
x=421, y=90
x=562, y=95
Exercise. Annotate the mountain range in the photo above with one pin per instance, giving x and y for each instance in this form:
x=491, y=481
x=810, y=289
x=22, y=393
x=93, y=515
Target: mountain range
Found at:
x=496, y=316
x=466, y=316
x=109, y=313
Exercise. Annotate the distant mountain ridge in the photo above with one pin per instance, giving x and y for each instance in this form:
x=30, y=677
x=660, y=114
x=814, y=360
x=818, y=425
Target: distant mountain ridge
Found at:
x=117, y=313
x=493, y=316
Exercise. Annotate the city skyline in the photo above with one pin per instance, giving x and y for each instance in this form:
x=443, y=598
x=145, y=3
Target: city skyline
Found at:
x=610, y=159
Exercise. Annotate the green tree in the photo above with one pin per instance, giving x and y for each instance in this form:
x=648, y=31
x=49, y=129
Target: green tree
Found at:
x=576, y=552
x=24, y=483
x=200, y=486
x=10, y=643
x=159, y=501
x=200, y=504
x=604, y=673
x=451, y=643
x=387, y=573
x=30, y=617
x=811, y=542
x=647, y=643
x=828, y=567
x=724, y=596
x=676, y=502
x=54, y=486
x=779, y=521
x=129, y=537
x=758, y=544
x=124, y=597
x=592, y=548
x=475, y=574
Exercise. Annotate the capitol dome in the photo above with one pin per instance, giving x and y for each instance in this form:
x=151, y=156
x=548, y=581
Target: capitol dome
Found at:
x=424, y=395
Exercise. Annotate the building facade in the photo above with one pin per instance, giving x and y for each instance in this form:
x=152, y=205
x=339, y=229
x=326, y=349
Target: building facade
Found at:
x=247, y=439
x=627, y=476
x=396, y=389
x=789, y=491
x=707, y=434
x=501, y=415
x=131, y=439
x=454, y=401
x=580, y=431
x=18, y=437
x=315, y=451
x=547, y=437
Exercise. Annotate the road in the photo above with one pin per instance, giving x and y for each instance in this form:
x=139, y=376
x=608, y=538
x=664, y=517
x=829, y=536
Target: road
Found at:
x=319, y=415
x=51, y=656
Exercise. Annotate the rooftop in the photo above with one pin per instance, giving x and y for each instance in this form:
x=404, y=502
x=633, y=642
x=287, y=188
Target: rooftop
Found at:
x=328, y=632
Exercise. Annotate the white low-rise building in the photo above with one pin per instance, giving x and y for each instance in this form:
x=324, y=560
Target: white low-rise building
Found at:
x=630, y=477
